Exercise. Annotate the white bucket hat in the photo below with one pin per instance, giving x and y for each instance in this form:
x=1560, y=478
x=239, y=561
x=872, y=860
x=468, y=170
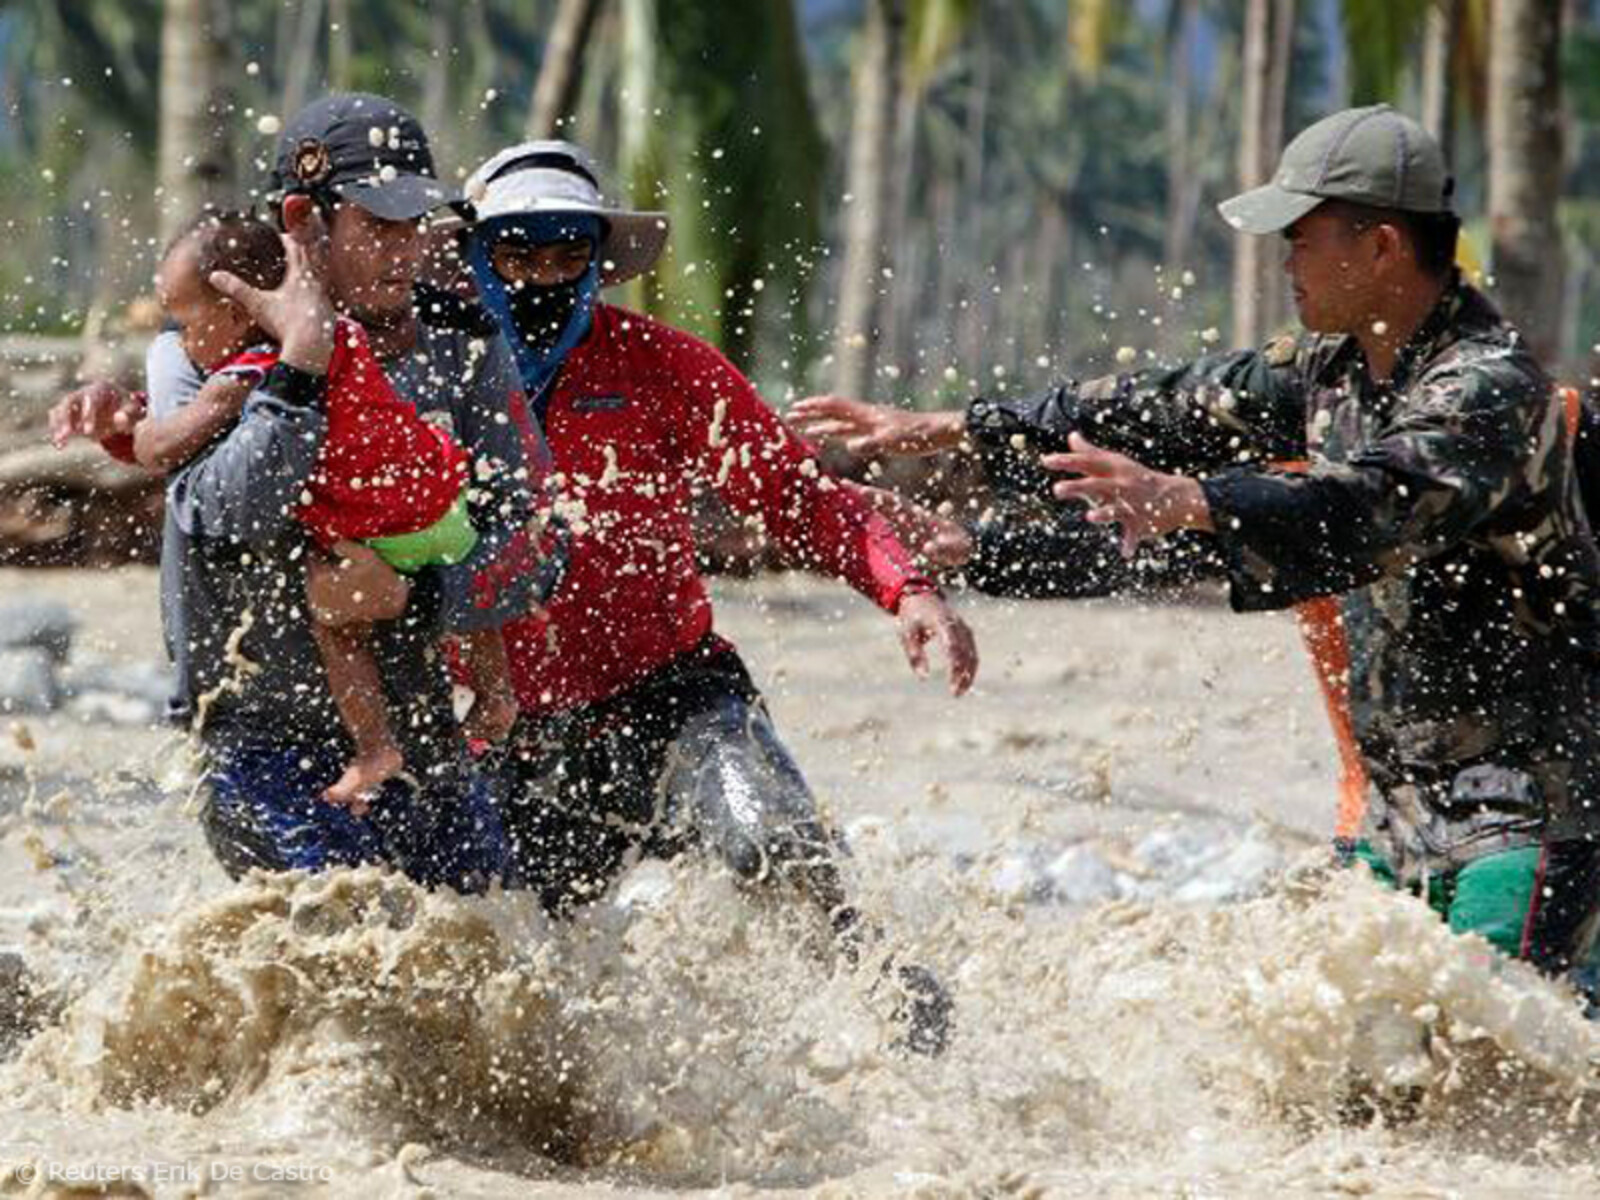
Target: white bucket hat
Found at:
x=558, y=177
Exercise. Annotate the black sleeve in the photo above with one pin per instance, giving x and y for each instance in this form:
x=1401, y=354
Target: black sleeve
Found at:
x=1203, y=416
x=1064, y=556
x=302, y=389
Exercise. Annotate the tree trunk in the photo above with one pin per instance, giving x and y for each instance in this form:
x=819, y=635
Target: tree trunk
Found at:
x=877, y=90
x=193, y=152
x=302, y=59
x=555, y=95
x=339, y=45
x=436, y=76
x=1438, y=52
x=483, y=53
x=1180, y=102
x=1525, y=163
x=1267, y=54
x=1255, y=164
x=900, y=239
x=970, y=239
x=1043, y=323
x=599, y=120
x=1274, y=289
x=942, y=208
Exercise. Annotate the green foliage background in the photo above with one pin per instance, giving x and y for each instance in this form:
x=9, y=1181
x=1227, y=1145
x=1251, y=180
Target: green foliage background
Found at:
x=1031, y=177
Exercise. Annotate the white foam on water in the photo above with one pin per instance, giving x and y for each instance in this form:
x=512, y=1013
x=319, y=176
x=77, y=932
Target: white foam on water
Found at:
x=1144, y=1007
x=693, y=1036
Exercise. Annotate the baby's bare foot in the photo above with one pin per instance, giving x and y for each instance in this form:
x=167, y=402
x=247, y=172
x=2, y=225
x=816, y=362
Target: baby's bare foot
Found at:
x=491, y=718
x=364, y=776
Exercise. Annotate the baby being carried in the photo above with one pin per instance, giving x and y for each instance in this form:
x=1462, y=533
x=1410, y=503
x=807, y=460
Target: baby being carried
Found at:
x=385, y=476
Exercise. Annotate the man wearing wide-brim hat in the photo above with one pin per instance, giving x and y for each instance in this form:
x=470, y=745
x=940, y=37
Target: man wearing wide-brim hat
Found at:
x=1438, y=506
x=642, y=730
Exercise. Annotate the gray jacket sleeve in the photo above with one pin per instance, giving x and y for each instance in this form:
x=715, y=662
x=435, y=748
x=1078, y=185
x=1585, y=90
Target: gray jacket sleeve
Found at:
x=243, y=489
x=170, y=379
x=509, y=470
x=246, y=487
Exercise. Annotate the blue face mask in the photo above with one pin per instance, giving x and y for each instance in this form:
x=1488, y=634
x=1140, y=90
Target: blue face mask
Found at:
x=542, y=324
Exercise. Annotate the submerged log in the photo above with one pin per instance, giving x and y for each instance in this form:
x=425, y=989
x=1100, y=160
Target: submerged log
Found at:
x=76, y=507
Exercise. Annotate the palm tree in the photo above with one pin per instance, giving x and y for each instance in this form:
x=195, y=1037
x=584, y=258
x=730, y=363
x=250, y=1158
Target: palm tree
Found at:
x=877, y=92
x=341, y=40
x=1380, y=37
x=194, y=150
x=1438, y=50
x=555, y=94
x=1182, y=16
x=1525, y=168
x=298, y=57
x=718, y=129
x=1268, y=41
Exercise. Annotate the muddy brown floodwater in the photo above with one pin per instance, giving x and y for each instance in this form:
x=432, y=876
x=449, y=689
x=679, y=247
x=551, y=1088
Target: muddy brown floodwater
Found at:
x=1110, y=852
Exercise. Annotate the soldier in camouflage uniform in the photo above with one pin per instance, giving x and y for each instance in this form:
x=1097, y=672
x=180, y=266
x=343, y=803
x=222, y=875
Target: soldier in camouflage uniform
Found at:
x=1438, y=502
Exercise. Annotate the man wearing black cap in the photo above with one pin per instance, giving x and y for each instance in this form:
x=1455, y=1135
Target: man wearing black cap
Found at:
x=352, y=182
x=1439, y=505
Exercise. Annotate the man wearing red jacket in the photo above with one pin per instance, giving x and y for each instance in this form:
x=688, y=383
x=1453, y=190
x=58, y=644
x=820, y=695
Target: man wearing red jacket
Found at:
x=642, y=731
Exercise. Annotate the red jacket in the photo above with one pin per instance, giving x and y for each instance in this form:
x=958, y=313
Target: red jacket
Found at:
x=643, y=418
x=384, y=470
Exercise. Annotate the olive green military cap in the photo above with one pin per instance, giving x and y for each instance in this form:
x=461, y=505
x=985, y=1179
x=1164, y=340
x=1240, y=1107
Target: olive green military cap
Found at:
x=1373, y=156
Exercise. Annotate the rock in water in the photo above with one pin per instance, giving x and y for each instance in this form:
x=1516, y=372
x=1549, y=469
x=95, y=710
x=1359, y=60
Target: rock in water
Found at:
x=117, y=693
x=37, y=624
x=19, y=1006
x=28, y=681
x=1081, y=876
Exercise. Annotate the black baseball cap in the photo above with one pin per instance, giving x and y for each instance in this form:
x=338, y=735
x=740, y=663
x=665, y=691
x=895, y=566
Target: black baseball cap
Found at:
x=365, y=149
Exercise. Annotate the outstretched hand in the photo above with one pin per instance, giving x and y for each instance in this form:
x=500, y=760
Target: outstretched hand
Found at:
x=96, y=410
x=927, y=617
x=874, y=431
x=297, y=314
x=1146, y=503
x=935, y=540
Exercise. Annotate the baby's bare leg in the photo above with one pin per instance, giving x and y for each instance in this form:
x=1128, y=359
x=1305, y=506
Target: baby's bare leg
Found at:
x=494, y=707
x=358, y=693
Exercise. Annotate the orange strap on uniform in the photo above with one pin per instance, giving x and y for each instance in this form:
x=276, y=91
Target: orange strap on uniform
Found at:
x=1322, y=628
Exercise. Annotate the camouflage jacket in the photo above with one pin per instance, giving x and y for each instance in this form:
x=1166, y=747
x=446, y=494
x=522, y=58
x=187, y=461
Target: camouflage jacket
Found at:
x=1441, y=506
